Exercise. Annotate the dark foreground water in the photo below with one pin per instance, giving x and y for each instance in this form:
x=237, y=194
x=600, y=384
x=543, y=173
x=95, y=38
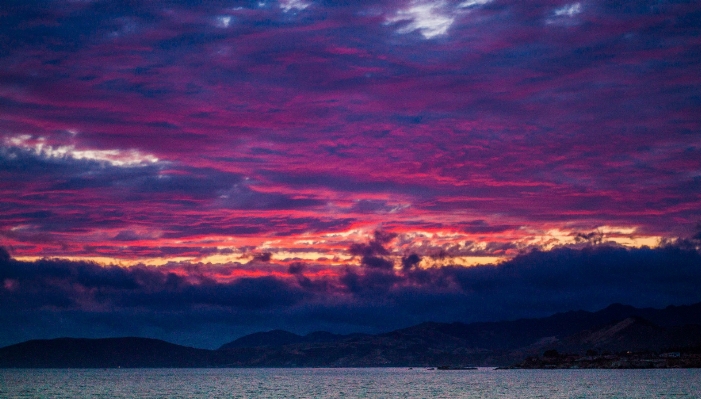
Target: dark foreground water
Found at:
x=349, y=383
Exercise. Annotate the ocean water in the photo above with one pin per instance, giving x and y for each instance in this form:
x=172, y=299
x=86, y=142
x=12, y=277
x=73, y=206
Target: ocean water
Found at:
x=348, y=383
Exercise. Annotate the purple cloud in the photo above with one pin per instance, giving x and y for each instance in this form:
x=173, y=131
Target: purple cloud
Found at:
x=222, y=120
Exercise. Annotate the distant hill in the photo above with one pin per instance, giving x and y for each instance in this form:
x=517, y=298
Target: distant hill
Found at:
x=105, y=353
x=276, y=338
x=494, y=343
x=630, y=343
x=615, y=328
x=633, y=334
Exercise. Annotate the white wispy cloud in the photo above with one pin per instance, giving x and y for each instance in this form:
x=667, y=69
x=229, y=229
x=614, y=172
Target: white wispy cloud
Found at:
x=430, y=18
x=565, y=15
x=569, y=10
x=223, y=21
x=473, y=3
x=121, y=158
x=290, y=5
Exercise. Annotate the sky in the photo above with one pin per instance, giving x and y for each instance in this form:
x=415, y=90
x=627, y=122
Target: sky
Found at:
x=198, y=170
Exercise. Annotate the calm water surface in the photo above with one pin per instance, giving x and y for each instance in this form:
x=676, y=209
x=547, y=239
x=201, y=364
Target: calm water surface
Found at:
x=349, y=383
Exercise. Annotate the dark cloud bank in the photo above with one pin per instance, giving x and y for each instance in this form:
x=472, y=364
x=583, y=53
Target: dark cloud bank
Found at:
x=52, y=298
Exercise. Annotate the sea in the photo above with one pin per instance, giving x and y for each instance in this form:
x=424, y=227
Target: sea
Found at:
x=348, y=383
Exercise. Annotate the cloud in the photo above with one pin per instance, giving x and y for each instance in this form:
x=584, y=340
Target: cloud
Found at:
x=296, y=128
x=473, y=3
x=376, y=206
x=245, y=196
x=191, y=304
x=565, y=14
x=148, y=186
x=410, y=261
x=262, y=257
x=120, y=158
x=293, y=5
x=374, y=254
x=430, y=18
x=569, y=10
x=131, y=235
x=223, y=21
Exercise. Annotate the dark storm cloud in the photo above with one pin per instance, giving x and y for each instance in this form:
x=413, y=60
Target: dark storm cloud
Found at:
x=410, y=261
x=374, y=255
x=66, y=285
x=262, y=257
x=359, y=299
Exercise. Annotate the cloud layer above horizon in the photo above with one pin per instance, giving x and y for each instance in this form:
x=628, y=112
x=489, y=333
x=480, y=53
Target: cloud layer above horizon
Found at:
x=207, y=305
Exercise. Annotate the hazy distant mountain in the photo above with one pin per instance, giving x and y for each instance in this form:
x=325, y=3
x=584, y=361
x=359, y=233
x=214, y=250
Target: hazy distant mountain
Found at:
x=632, y=334
x=458, y=343
x=268, y=338
x=105, y=353
x=616, y=328
x=280, y=337
x=630, y=343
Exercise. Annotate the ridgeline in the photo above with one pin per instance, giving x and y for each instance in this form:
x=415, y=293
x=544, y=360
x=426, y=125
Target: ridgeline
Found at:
x=618, y=336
